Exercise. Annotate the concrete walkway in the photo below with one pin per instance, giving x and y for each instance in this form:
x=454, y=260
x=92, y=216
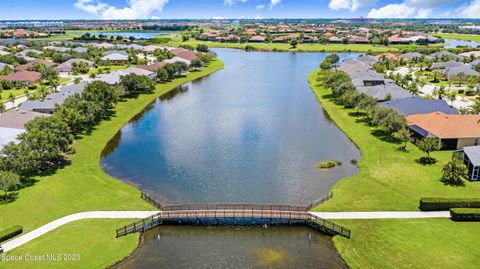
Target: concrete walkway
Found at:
x=382, y=215
x=12, y=244
x=74, y=217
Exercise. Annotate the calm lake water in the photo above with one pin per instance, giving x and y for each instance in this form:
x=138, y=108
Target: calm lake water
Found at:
x=235, y=247
x=251, y=133
x=453, y=43
x=137, y=35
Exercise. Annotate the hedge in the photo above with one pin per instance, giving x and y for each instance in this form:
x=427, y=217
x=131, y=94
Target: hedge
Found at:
x=439, y=204
x=465, y=214
x=10, y=232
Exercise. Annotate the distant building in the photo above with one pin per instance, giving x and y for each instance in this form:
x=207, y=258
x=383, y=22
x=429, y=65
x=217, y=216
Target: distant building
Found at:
x=67, y=66
x=24, y=77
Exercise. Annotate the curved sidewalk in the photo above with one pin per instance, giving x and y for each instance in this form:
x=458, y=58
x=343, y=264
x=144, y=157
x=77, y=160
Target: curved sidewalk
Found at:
x=74, y=217
x=12, y=244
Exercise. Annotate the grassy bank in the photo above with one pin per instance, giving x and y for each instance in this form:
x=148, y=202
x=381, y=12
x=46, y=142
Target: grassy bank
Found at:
x=393, y=180
x=83, y=186
x=465, y=37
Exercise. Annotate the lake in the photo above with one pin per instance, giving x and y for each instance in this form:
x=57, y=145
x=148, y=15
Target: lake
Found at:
x=453, y=43
x=234, y=247
x=250, y=133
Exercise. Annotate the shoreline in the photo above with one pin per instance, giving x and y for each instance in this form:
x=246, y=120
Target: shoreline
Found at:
x=84, y=186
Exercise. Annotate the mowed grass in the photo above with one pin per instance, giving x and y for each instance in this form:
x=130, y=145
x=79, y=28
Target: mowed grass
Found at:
x=410, y=243
x=82, y=185
x=101, y=250
x=285, y=47
x=391, y=180
x=465, y=37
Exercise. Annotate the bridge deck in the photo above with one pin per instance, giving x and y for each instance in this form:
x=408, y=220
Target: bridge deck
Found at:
x=202, y=216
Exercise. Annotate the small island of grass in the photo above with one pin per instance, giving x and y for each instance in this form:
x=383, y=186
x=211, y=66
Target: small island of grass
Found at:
x=329, y=164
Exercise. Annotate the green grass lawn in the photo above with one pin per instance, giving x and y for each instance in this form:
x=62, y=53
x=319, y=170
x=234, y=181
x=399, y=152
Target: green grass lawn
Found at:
x=466, y=37
x=103, y=248
x=300, y=48
x=392, y=180
x=16, y=92
x=82, y=185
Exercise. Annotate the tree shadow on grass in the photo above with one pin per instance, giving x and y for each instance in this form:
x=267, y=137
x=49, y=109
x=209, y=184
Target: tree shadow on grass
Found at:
x=9, y=198
x=452, y=184
x=357, y=114
x=426, y=161
x=383, y=136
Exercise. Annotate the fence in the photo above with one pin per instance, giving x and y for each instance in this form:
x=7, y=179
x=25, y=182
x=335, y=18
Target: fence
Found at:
x=327, y=227
x=204, y=207
x=320, y=200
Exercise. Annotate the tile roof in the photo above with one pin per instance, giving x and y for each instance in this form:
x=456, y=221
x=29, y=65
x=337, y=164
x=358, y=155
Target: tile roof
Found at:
x=417, y=105
x=24, y=76
x=446, y=126
x=17, y=118
x=153, y=67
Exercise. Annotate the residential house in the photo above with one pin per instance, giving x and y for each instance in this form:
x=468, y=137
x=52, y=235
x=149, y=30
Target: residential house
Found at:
x=9, y=135
x=67, y=66
x=57, y=49
x=3, y=66
x=471, y=158
x=24, y=77
x=49, y=104
x=80, y=49
x=452, y=74
x=17, y=118
x=446, y=65
x=104, y=45
x=177, y=59
x=27, y=66
x=3, y=53
x=116, y=58
x=418, y=105
x=153, y=67
x=444, y=55
x=475, y=54
x=454, y=131
x=139, y=72
x=185, y=54
x=411, y=56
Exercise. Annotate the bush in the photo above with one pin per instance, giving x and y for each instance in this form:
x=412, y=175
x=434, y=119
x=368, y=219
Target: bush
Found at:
x=329, y=164
x=439, y=204
x=465, y=214
x=10, y=232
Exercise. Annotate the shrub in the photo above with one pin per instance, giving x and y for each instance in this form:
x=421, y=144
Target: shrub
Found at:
x=10, y=232
x=465, y=214
x=329, y=164
x=439, y=204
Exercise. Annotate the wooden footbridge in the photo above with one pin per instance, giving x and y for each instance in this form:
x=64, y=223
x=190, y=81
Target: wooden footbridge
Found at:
x=233, y=214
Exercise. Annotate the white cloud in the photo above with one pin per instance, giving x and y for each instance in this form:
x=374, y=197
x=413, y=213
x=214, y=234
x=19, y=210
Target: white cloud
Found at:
x=136, y=9
x=469, y=10
x=339, y=4
x=273, y=3
x=352, y=5
x=233, y=2
x=392, y=11
x=408, y=9
x=424, y=13
x=260, y=7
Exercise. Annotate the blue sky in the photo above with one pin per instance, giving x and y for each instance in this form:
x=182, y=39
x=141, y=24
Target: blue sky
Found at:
x=168, y=9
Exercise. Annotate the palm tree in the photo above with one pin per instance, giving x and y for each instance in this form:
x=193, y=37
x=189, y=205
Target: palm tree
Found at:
x=461, y=77
x=11, y=98
x=440, y=92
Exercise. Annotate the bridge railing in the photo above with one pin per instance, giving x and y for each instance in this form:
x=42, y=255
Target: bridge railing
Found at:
x=271, y=207
x=152, y=201
x=320, y=200
x=330, y=226
x=140, y=225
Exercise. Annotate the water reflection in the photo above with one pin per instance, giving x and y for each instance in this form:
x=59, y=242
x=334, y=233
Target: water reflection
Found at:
x=235, y=247
x=250, y=133
x=453, y=43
